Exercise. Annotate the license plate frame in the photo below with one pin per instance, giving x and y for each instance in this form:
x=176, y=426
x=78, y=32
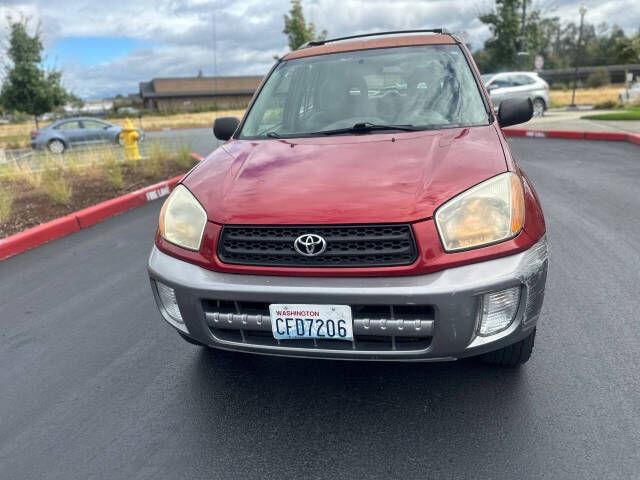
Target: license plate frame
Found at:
x=311, y=321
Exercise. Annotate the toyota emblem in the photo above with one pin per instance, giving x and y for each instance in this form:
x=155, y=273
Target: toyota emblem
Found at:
x=310, y=245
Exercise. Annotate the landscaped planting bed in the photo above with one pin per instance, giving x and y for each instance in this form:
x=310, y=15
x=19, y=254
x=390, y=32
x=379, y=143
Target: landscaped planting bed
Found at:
x=59, y=185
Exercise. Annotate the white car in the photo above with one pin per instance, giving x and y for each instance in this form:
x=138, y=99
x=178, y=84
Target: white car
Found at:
x=630, y=96
x=518, y=85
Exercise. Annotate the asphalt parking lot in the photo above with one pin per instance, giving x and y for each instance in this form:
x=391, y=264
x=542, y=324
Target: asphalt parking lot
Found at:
x=93, y=384
x=200, y=140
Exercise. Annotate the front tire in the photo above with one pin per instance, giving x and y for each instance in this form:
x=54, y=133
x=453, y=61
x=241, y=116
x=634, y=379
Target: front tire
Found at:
x=56, y=146
x=513, y=355
x=538, y=107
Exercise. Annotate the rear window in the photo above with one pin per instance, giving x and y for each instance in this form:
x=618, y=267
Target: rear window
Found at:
x=521, y=80
x=428, y=86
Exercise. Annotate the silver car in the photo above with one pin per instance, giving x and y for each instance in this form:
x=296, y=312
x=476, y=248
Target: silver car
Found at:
x=63, y=134
x=630, y=95
x=518, y=85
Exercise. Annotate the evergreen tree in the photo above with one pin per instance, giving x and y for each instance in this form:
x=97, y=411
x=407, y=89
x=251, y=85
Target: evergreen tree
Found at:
x=297, y=29
x=27, y=87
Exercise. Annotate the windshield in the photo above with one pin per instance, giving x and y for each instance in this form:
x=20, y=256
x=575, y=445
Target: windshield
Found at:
x=428, y=86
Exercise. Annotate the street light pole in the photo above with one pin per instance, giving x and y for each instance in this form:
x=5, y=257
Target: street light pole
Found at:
x=582, y=11
x=522, y=34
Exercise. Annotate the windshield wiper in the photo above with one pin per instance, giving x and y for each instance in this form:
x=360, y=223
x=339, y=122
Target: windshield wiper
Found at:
x=368, y=127
x=273, y=135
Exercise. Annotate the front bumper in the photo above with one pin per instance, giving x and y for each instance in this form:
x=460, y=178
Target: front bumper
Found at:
x=453, y=296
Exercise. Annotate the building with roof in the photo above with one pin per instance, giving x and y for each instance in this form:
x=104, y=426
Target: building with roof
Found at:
x=194, y=93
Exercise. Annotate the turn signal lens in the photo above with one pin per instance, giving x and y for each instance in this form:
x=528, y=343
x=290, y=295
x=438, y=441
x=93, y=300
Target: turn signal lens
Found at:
x=490, y=212
x=182, y=219
x=498, y=311
x=168, y=299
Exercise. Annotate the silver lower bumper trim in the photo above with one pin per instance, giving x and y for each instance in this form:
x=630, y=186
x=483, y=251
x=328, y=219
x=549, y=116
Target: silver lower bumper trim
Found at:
x=361, y=326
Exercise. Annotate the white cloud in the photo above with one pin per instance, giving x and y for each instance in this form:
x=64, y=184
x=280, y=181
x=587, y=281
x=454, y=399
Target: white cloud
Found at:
x=248, y=32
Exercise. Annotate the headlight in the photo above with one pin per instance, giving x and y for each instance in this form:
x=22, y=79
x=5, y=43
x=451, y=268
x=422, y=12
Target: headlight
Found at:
x=490, y=212
x=182, y=219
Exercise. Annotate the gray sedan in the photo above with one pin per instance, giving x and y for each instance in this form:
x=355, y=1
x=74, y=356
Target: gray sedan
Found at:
x=63, y=134
x=518, y=85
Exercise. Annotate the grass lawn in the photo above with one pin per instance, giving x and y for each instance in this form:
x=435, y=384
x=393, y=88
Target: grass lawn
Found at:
x=630, y=114
x=585, y=96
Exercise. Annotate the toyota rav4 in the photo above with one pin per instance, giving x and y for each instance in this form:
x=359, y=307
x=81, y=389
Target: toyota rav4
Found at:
x=367, y=206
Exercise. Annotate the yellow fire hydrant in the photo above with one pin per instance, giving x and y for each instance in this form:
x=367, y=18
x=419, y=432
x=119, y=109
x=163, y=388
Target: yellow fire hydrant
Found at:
x=130, y=136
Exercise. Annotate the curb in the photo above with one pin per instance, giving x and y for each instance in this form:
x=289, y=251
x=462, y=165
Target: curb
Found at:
x=574, y=134
x=63, y=226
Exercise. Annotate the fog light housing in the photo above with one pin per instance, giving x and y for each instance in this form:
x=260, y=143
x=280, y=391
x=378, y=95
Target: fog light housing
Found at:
x=498, y=311
x=169, y=303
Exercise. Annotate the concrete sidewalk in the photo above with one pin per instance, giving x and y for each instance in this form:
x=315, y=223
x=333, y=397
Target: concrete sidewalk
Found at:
x=557, y=119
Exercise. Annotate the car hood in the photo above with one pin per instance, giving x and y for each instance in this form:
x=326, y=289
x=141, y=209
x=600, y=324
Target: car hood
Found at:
x=366, y=178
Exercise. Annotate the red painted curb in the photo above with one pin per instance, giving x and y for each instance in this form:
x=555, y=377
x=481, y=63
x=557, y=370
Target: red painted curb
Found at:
x=634, y=138
x=565, y=134
x=36, y=236
x=573, y=134
x=97, y=213
x=614, y=136
x=81, y=219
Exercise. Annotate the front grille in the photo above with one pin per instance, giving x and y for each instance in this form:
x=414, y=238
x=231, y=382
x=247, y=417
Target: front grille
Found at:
x=346, y=246
x=376, y=327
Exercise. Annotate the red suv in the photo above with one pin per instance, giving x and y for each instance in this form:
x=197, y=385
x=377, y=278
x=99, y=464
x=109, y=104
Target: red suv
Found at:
x=366, y=207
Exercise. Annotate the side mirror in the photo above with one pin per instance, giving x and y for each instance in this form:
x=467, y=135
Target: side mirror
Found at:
x=225, y=127
x=493, y=86
x=515, y=110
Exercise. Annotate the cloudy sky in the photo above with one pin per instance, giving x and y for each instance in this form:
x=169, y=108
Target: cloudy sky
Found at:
x=107, y=47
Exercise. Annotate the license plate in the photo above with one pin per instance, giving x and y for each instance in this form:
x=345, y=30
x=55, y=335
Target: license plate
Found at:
x=326, y=322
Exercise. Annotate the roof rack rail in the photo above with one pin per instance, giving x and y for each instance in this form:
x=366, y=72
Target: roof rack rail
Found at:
x=315, y=43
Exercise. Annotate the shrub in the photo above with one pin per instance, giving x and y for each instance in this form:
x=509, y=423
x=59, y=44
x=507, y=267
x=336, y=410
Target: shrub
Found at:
x=158, y=155
x=183, y=157
x=56, y=185
x=21, y=172
x=6, y=201
x=73, y=163
x=599, y=78
x=559, y=86
x=94, y=169
x=112, y=169
x=606, y=104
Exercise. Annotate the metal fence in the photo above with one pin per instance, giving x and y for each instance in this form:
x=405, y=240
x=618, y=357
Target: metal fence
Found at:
x=84, y=155
x=567, y=74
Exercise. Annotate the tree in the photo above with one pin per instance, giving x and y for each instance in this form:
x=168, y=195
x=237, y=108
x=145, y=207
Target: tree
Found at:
x=504, y=23
x=297, y=29
x=27, y=87
x=501, y=51
x=628, y=52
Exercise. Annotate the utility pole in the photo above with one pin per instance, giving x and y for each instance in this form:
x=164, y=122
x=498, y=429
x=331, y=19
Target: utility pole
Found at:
x=215, y=57
x=215, y=49
x=582, y=11
x=522, y=34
